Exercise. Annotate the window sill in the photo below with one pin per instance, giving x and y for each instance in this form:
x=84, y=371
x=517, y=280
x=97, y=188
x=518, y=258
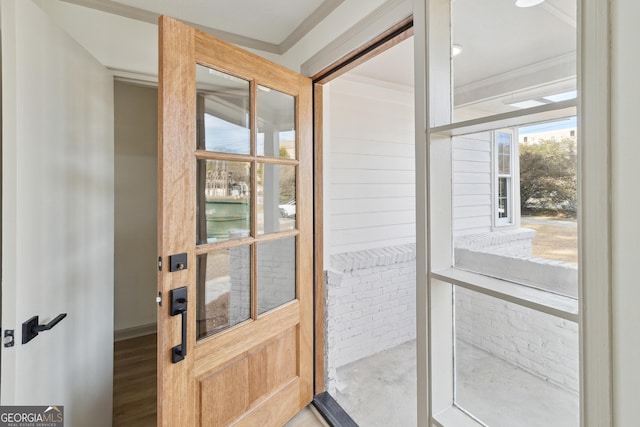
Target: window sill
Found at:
x=552, y=111
x=547, y=302
x=454, y=417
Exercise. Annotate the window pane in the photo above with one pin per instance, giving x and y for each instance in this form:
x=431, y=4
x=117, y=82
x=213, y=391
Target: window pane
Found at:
x=224, y=288
x=224, y=202
x=521, y=228
x=276, y=273
x=514, y=366
x=503, y=194
x=223, y=105
x=511, y=57
x=276, y=198
x=504, y=152
x=276, y=124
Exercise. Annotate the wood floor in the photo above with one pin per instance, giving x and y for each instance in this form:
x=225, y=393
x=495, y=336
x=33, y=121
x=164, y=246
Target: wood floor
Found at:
x=134, y=382
x=134, y=386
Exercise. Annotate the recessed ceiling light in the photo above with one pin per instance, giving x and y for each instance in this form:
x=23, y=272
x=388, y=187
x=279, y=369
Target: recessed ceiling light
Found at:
x=456, y=50
x=528, y=3
x=562, y=96
x=527, y=104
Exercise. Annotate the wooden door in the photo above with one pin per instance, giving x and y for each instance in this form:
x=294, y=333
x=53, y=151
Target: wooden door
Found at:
x=235, y=235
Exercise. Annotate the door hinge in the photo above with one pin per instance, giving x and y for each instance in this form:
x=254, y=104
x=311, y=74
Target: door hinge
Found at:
x=8, y=338
x=159, y=263
x=159, y=299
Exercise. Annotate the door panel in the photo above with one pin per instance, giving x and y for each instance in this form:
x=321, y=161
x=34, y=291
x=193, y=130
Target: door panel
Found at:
x=235, y=186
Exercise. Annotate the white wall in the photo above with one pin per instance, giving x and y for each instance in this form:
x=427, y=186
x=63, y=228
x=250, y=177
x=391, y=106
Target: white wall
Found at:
x=136, y=198
x=57, y=218
x=472, y=205
x=369, y=170
x=117, y=42
x=625, y=209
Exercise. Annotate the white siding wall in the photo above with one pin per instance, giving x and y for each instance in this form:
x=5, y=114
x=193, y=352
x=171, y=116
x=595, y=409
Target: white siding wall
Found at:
x=472, y=205
x=369, y=178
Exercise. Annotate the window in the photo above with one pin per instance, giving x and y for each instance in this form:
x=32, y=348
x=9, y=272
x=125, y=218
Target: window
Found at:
x=504, y=154
x=481, y=305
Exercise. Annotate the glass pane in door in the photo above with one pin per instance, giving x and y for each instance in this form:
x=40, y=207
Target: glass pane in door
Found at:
x=276, y=273
x=276, y=198
x=223, y=111
x=276, y=124
x=224, y=200
x=224, y=290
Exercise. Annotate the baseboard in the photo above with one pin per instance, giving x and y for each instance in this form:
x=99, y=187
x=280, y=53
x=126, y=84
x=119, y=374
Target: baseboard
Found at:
x=134, y=332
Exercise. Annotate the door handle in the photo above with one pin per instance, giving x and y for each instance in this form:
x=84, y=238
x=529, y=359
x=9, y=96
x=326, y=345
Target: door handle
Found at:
x=179, y=306
x=31, y=327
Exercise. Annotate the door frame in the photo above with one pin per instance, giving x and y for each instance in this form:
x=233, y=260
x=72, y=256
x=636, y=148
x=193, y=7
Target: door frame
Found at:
x=384, y=41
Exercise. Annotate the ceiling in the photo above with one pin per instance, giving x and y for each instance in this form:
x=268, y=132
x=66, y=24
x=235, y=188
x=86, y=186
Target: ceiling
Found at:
x=509, y=54
x=270, y=21
x=272, y=26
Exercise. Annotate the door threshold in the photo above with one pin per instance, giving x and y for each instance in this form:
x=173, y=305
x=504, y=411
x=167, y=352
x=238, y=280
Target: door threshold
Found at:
x=332, y=412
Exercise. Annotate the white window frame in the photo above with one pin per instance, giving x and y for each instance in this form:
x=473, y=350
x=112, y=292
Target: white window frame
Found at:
x=435, y=274
x=513, y=179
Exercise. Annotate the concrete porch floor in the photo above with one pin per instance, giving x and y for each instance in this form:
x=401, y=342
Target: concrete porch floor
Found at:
x=380, y=390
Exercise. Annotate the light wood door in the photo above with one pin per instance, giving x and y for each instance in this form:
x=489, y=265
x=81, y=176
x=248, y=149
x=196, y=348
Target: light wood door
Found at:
x=235, y=197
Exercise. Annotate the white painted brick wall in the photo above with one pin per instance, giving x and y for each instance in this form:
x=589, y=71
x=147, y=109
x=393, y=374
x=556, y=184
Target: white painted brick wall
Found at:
x=370, y=304
x=370, y=307
x=276, y=277
x=515, y=242
x=542, y=344
x=240, y=284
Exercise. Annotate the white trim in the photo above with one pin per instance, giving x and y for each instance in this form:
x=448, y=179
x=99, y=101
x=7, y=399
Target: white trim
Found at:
x=525, y=296
x=377, y=22
x=422, y=302
x=594, y=205
x=454, y=416
x=135, y=77
x=559, y=70
x=594, y=191
x=526, y=116
x=317, y=16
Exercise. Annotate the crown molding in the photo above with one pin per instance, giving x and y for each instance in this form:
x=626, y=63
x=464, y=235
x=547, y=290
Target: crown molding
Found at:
x=324, y=10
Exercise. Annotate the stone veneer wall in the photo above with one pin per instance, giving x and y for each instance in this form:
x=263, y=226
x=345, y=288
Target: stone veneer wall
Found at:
x=370, y=304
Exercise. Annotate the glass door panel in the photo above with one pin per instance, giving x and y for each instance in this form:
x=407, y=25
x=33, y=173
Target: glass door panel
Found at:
x=238, y=165
x=276, y=198
x=224, y=290
x=276, y=124
x=276, y=273
x=223, y=104
x=224, y=200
